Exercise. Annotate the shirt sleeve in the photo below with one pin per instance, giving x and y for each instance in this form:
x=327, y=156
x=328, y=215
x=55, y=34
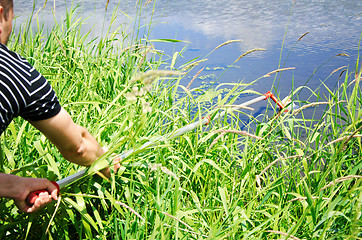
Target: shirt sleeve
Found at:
x=43, y=102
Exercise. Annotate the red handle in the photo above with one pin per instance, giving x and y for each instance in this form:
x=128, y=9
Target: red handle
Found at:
x=30, y=199
x=271, y=95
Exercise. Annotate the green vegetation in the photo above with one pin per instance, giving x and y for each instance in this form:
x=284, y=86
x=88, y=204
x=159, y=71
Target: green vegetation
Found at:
x=294, y=177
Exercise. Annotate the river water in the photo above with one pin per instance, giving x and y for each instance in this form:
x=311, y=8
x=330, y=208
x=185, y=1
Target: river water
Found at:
x=333, y=27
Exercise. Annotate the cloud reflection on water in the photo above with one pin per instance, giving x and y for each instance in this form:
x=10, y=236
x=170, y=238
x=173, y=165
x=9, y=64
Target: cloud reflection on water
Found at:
x=334, y=27
x=259, y=23
x=331, y=23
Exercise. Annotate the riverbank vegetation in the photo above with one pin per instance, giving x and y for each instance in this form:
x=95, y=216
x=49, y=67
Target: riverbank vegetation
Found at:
x=279, y=176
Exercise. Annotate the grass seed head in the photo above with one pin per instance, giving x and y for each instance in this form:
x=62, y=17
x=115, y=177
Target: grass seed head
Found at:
x=309, y=105
x=248, y=52
x=341, y=179
x=216, y=139
x=151, y=75
x=164, y=170
x=278, y=70
x=196, y=75
x=227, y=42
x=244, y=133
x=193, y=64
x=300, y=38
x=130, y=209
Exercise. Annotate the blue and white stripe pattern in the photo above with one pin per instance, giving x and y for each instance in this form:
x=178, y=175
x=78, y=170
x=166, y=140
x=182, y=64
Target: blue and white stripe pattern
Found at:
x=23, y=91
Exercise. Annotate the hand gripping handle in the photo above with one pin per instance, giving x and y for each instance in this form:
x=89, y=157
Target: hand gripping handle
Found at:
x=30, y=199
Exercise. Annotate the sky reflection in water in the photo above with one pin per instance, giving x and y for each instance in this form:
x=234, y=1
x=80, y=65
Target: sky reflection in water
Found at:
x=334, y=27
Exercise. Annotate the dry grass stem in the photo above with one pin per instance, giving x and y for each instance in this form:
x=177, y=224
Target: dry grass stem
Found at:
x=180, y=221
x=36, y=14
x=284, y=234
x=193, y=79
x=351, y=136
x=191, y=65
x=357, y=79
x=226, y=43
x=275, y=161
x=278, y=70
x=269, y=166
x=136, y=46
x=342, y=138
x=341, y=179
x=354, y=80
x=300, y=38
x=240, y=133
x=55, y=211
x=342, y=101
x=258, y=176
x=309, y=105
x=235, y=107
x=60, y=44
x=216, y=139
x=304, y=198
x=148, y=49
x=130, y=209
x=336, y=70
x=248, y=52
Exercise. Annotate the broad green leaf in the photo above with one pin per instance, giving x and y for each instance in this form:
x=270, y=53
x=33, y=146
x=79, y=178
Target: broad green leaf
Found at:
x=286, y=132
x=80, y=209
x=53, y=165
x=222, y=192
x=310, y=201
x=198, y=206
x=98, y=165
x=174, y=57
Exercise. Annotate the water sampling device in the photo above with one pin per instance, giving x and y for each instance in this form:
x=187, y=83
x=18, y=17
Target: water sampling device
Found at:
x=203, y=122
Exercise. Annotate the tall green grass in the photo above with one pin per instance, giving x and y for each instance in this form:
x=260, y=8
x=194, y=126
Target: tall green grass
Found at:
x=297, y=177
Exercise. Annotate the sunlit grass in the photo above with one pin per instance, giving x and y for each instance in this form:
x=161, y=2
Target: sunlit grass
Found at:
x=292, y=176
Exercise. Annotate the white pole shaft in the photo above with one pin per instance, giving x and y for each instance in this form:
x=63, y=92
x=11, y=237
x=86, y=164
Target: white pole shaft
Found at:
x=192, y=126
x=204, y=121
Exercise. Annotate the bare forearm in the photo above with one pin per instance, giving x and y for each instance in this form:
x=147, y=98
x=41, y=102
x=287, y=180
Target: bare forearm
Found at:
x=10, y=186
x=86, y=152
x=74, y=142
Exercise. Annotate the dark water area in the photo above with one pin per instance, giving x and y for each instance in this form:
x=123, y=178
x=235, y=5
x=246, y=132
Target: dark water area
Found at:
x=333, y=27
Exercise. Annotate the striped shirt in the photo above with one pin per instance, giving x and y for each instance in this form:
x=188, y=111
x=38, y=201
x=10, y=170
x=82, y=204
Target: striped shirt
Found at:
x=24, y=91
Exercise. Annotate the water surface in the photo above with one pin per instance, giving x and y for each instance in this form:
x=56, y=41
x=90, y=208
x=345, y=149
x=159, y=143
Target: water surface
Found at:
x=333, y=27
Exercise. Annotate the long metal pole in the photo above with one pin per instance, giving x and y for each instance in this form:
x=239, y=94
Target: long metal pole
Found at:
x=204, y=121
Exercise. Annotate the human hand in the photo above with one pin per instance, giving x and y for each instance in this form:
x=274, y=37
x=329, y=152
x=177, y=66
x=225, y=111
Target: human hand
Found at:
x=107, y=172
x=26, y=186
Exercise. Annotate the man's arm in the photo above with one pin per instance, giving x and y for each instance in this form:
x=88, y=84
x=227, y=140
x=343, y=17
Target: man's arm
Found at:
x=74, y=142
